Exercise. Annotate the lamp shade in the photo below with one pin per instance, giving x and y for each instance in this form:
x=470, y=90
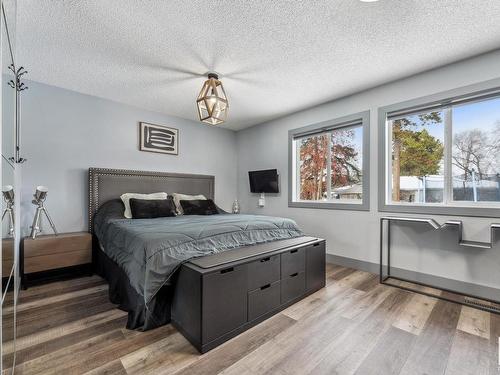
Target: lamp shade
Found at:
x=40, y=193
x=212, y=101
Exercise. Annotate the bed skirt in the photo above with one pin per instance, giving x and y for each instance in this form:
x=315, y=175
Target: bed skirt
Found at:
x=140, y=316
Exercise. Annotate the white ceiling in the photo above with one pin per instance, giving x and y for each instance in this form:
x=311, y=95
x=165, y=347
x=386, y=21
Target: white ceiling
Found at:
x=274, y=57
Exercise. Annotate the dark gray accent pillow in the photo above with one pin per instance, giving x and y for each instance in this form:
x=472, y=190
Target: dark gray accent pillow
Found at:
x=152, y=208
x=199, y=207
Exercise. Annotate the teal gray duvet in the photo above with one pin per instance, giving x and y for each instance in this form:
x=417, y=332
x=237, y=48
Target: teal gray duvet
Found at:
x=151, y=250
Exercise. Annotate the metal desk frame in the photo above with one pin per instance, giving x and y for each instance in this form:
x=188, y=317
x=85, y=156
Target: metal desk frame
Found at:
x=385, y=278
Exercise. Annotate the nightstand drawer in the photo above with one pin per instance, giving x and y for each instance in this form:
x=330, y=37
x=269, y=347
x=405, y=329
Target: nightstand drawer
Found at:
x=62, y=243
x=7, y=256
x=53, y=261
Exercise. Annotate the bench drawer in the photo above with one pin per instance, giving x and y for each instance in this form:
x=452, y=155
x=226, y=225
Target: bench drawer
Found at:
x=263, y=300
x=293, y=286
x=315, y=266
x=263, y=271
x=224, y=302
x=293, y=261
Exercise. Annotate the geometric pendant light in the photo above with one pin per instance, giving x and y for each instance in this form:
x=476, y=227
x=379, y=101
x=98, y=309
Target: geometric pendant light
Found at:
x=212, y=101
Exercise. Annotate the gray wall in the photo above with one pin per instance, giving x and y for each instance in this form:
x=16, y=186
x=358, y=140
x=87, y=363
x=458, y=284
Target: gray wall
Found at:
x=356, y=234
x=65, y=133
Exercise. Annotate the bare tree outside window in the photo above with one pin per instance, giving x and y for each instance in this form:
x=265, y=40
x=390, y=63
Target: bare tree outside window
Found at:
x=470, y=150
x=475, y=153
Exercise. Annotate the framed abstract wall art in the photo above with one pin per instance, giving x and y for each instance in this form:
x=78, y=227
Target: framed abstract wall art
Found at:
x=157, y=138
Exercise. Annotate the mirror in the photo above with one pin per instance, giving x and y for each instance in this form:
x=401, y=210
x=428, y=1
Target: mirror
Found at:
x=10, y=235
x=9, y=269
x=8, y=94
x=7, y=222
x=8, y=329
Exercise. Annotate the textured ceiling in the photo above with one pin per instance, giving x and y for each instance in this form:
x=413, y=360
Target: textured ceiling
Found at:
x=274, y=57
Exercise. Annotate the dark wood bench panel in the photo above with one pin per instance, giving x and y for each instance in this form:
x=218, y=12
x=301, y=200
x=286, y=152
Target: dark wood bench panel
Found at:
x=219, y=296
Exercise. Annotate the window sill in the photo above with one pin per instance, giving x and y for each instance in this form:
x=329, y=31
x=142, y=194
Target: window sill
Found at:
x=330, y=205
x=479, y=211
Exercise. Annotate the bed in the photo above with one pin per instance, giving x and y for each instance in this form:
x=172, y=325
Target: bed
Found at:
x=141, y=259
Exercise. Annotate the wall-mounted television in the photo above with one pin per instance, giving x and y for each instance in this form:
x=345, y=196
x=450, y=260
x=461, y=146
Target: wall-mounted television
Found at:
x=264, y=181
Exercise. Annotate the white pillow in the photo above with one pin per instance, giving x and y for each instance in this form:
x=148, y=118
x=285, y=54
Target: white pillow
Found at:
x=185, y=197
x=127, y=196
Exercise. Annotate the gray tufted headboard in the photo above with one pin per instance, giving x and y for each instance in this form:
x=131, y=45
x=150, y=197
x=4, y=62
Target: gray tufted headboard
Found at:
x=106, y=184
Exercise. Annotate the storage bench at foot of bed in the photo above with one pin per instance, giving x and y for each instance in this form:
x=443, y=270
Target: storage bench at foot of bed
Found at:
x=219, y=296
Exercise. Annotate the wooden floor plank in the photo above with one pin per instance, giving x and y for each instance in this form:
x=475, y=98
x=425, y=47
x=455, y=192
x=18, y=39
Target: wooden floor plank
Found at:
x=60, y=287
x=57, y=332
x=320, y=299
x=331, y=268
x=474, y=321
x=389, y=354
x=368, y=284
x=344, y=356
x=295, y=351
x=93, y=353
x=62, y=312
x=417, y=287
x=224, y=356
x=340, y=273
x=413, y=318
x=68, y=336
x=354, y=279
x=112, y=368
x=290, y=353
x=302, y=341
x=50, y=300
x=469, y=355
x=493, y=345
x=65, y=360
x=166, y=355
x=367, y=303
x=433, y=345
x=90, y=360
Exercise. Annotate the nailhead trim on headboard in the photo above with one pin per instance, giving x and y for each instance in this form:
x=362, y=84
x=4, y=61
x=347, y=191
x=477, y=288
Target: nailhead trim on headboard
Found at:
x=95, y=173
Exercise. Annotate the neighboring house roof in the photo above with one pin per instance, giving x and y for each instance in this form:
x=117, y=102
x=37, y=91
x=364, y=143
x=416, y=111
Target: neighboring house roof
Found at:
x=353, y=189
x=413, y=183
x=436, y=182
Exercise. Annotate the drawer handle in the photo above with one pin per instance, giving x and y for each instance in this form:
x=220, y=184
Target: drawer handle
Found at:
x=293, y=251
x=265, y=286
x=266, y=259
x=316, y=244
x=227, y=270
x=294, y=274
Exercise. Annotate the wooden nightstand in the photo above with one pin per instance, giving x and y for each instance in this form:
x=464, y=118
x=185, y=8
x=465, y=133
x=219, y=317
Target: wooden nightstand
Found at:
x=50, y=255
x=7, y=256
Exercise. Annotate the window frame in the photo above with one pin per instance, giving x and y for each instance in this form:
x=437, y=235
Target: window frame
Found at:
x=364, y=119
x=471, y=93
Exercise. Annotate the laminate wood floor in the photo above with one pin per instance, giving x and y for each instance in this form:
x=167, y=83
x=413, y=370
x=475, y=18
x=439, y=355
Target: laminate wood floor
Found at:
x=353, y=326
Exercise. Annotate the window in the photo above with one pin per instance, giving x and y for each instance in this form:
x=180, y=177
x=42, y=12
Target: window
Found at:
x=475, y=152
x=443, y=157
x=417, y=160
x=328, y=169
